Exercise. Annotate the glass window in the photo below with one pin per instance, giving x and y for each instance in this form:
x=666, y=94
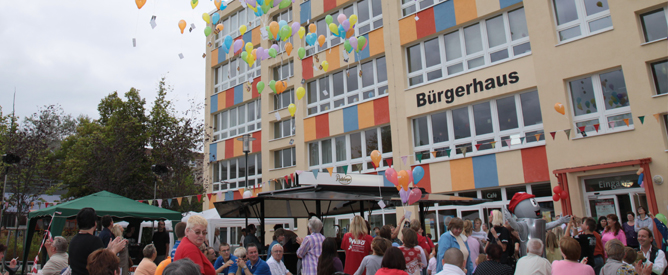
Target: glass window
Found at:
x=473, y=39
x=381, y=69
x=510, y=191
x=356, y=145
x=432, y=52
x=518, y=24
x=341, y=148
x=367, y=74
x=414, y=59
x=482, y=115
x=531, y=108
x=386, y=137
x=660, y=76
x=460, y=121
x=654, y=25
x=613, y=86
x=371, y=140
x=237, y=120
x=496, y=34
x=439, y=126
x=507, y=113
x=420, y=131
x=566, y=11
x=314, y=158
x=360, y=144
x=582, y=93
x=326, y=151
x=581, y=17
x=492, y=194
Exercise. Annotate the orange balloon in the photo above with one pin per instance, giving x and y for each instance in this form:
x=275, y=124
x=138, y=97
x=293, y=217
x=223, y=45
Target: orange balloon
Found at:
x=140, y=3
x=321, y=40
x=312, y=28
x=350, y=33
x=273, y=28
x=560, y=108
x=279, y=87
x=376, y=157
x=254, y=52
x=182, y=25
x=403, y=179
x=288, y=48
x=220, y=27
x=285, y=86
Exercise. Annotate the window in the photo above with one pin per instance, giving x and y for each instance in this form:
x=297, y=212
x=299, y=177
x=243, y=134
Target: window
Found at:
x=351, y=150
x=284, y=15
x=489, y=124
x=496, y=39
x=284, y=128
x=231, y=173
x=234, y=21
x=284, y=99
x=236, y=121
x=654, y=25
x=600, y=101
x=660, y=76
x=369, y=17
x=409, y=7
x=234, y=73
x=284, y=158
x=347, y=87
x=282, y=72
x=576, y=18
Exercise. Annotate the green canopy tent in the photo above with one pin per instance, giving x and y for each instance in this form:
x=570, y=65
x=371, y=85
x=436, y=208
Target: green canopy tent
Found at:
x=104, y=203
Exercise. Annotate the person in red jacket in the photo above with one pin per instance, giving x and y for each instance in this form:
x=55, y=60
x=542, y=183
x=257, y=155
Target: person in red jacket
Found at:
x=422, y=240
x=357, y=244
x=393, y=263
x=189, y=246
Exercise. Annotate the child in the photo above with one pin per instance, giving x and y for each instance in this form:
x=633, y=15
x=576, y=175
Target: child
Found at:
x=431, y=268
x=588, y=241
x=630, y=256
x=372, y=262
x=481, y=258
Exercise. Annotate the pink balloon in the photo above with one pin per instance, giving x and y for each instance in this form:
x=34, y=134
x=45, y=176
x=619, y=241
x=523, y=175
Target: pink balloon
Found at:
x=238, y=44
x=275, y=47
x=353, y=42
x=341, y=18
x=346, y=25
x=410, y=176
x=295, y=28
x=414, y=196
x=391, y=175
x=260, y=53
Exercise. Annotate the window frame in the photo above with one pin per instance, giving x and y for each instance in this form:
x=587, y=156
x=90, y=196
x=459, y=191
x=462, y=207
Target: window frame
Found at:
x=282, y=152
x=233, y=30
x=227, y=183
x=349, y=161
x=582, y=21
x=291, y=70
x=220, y=83
x=655, y=81
x=219, y=132
x=281, y=123
x=278, y=100
x=415, y=3
x=642, y=22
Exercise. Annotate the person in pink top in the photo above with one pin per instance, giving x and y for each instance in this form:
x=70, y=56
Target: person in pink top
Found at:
x=613, y=231
x=570, y=249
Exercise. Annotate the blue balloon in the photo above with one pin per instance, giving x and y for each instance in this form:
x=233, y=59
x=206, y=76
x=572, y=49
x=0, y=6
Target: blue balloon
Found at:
x=640, y=178
x=260, y=2
x=223, y=6
x=281, y=24
x=418, y=174
x=342, y=32
x=215, y=18
x=311, y=38
x=227, y=43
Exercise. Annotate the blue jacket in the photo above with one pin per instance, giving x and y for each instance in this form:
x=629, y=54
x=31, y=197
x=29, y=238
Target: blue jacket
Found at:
x=446, y=242
x=230, y=269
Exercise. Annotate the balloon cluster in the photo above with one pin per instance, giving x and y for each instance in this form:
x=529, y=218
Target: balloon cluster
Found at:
x=280, y=31
x=355, y=43
x=277, y=86
x=402, y=180
x=261, y=7
x=559, y=193
x=345, y=27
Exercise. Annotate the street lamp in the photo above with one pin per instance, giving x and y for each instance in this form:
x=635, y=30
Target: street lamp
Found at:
x=8, y=159
x=158, y=170
x=246, y=139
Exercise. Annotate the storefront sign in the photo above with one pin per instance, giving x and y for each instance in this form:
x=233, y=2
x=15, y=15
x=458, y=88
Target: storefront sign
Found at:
x=475, y=86
x=612, y=183
x=323, y=178
x=343, y=179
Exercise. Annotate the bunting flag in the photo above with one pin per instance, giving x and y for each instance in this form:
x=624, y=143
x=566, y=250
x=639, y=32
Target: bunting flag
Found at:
x=403, y=159
x=433, y=154
x=209, y=196
x=190, y=199
x=46, y=204
x=160, y=203
x=507, y=142
x=537, y=136
x=626, y=120
x=169, y=202
x=568, y=133
x=447, y=151
x=331, y=170
x=657, y=115
x=140, y=201
x=345, y=170
x=464, y=149
x=150, y=202
x=582, y=130
x=359, y=167
x=419, y=157
x=199, y=197
x=642, y=119
x=522, y=140
x=178, y=200
x=299, y=172
x=315, y=173
x=292, y=178
x=493, y=144
x=286, y=179
x=596, y=126
x=374, y=166
x=241, y=191
x=553, y=134
x=477, y=147
x=612, y=125
x=389, y=162
x=219, y=196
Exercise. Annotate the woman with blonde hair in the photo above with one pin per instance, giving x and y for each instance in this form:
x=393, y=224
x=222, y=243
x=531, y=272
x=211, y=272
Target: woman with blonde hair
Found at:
x=357, y=245
x=473, y=243
x=558, y=232
x=500, y=235
x=552, y=250
x=123, y=256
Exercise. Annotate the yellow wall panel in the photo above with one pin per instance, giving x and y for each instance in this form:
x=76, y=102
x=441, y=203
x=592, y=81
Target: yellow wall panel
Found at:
x=336, y=122
x=509, y=167
x=440, y=177
x=485, y=7
x=220, y=151
x=465, y=10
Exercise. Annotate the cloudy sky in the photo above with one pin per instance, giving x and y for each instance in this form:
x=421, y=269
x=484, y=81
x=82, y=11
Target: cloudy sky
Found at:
x=75, y=52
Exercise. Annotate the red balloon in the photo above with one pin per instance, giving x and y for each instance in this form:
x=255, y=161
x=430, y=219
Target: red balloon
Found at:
x=557, y=189
x=564, y=195
x=555, y=197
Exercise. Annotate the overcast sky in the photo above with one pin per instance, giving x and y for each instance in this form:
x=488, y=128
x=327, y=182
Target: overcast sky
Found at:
x=76, y=52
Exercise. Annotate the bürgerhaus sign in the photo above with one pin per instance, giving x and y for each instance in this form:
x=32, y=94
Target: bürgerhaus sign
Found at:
x=475, y=86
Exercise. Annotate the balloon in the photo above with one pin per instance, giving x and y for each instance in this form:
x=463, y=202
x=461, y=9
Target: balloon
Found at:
x=273, y=28
x=193, y=3
x=282, y=23
x=279, y=87
x=312, y=28
x=334, y=29
x=329, y=19
x=403, y=194
x=301, y=32
x=346, y=25
x=662, y=218
x=555, y=197
x=415, y=195
x=391, y=175
x=418, y=174
x=249, y=46
x=206, y=17
x=243, y=29
x=251, y=60
x=288, y=48
x=375, y=154
x=350, y=33
x=260, y=52
x=346, y=45
x=559, y=108
x=223, y=6
x=325, y=65
x=353, y=42
x=140, y=3
x=251, y=2
x=207, y=31
x=284, y=4
x=300, y=93
x=410, y=176
x=272, y=52
x=341, y=18
x=228, y=43
x=353, y=20
x=220, y=27
x=301, y=52
x=293, y=109
x=217, y=3
x=265, y=8
x=311, y=38
x=275, y=46
x=564, y=195
x=557, y=189
x=295, y=28
x=272, y=85
x=238, y=45
x=244, y=56
x=342, y=32
x=361, y=43
x=182, y=25
x=260, y=87
x=286, y=32
x=247, y=194
x=403, y=179
x=215, y=18
x=321, y=40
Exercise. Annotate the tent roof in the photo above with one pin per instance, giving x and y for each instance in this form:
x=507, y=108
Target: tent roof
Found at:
x=106, y=203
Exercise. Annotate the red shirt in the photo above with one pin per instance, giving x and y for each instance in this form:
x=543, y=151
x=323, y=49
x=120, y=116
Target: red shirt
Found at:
x=356, y=250
x=412, y=257
x=599, y=245
x=188, y=250
x=422, y=241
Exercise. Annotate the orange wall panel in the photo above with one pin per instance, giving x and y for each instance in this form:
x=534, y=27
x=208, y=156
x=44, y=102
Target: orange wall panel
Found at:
x=376, y=42
x=407, y=29
x=333, y=58
x=214, y=57
x=465, y=10
x=309, y=129
x=462, y=174
x=365, y=115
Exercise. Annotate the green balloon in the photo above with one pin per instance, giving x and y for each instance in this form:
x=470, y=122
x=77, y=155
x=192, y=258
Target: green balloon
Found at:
x=347, y=46
x=284, y=4
x=207, y=31
x=270, y=35
x=286, y=32
x=260, y=87
x=662, y=218
x=272, y=53
x=329, y=19
x=265, y=8
x=361, y=41
x=301, y=52
x=244, y=56
x=272, y=85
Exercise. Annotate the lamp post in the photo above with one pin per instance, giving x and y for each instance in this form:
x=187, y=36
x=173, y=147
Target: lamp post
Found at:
x=8, y=159
x=246, y=139
x=158, y=170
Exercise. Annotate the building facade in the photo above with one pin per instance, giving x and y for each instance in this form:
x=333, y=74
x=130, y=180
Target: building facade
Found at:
x=468, y=89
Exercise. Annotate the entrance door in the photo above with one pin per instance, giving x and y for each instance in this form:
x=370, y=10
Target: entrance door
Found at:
x=603, y=206
x=469, y=214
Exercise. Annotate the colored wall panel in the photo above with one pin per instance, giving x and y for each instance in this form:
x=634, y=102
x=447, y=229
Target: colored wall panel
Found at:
x=465, y=10
x=214, y=57
x=333, y=58
x=440, y=179
x=256, y=36
x=386, y=182
x=508, y=3
x=484, y=171
x=486, y=7
x=365, y=115
x=237, y=195
x=350, y=119
x=461, y=173
x=220, y=155
x=425, y=182
x=213, y=198
x=444, y=16
x=508, y=168
x=425, y=26
x=238, y=147
x=316, y=8
x=214, y=103
x=254, y=92
x=229, y=148
x=307, y=67
x=336, y=122
x=213, y=150
x=221, y=101
x=248, y=37
x=376, y=42
x=304, y=12
x=257, y=143
x=534, y=162
x=238, y=94
x=229, y=98
x=364, y=54
x=328, y=5
x=340, y=2
x=229, y=195
x=221, y=55
x=322, y=126
x=309, y=129
x=407, y=31
x=381, y=110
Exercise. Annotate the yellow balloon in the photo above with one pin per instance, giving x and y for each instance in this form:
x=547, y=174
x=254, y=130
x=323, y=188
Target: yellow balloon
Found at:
x=334, y=29
x=206, y=17
x=243, y=29
x=193, y=3
x=301, y=32
x=352, y=19
x=249, y=47
x=292, y=108
x=251, y=60
x=325, y=65
x=300, y=93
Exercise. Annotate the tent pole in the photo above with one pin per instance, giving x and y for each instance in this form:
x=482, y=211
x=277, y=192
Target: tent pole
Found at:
x=421, y=205
x=262, y=223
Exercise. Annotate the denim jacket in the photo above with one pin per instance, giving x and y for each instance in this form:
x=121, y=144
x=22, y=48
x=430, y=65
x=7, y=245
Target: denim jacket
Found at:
x=447, y=241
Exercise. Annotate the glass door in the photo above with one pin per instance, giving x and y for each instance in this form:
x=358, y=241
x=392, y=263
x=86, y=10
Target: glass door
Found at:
x=602, y=206
x=469, y=213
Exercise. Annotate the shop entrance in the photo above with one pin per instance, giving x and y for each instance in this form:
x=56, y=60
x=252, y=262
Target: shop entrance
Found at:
x=615, y=194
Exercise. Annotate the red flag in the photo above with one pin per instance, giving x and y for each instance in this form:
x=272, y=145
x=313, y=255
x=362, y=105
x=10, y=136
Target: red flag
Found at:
x=209, y=196
x=140, y=201
x=477, y=146
x=389, y=162
x=286, y=179
x=553, y=134
x=582, y=129
x=46, y=204
x=199, y=198
x=596, y=126
x=292, y=177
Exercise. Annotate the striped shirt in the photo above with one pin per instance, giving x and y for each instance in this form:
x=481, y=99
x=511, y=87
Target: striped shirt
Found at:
x=310, y=251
